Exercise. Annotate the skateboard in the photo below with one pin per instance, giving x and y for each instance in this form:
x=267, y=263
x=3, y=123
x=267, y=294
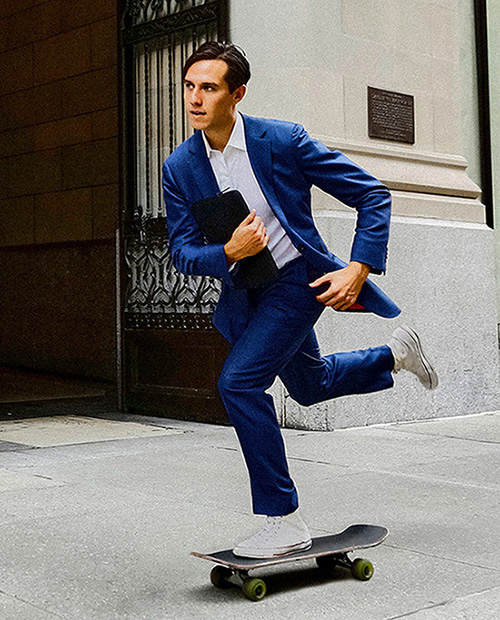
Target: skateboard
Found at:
x=328, y=551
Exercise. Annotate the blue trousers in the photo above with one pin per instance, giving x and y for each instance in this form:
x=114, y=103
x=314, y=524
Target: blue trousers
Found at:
x=279, y=340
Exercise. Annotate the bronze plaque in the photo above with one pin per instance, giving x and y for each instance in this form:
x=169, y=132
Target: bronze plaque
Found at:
x=391, y=116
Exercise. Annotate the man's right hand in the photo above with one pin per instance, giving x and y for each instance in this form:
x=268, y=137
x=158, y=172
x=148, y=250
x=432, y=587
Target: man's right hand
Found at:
x=248, y=239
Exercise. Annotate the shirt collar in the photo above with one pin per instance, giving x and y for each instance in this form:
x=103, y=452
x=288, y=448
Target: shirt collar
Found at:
x=236, y=139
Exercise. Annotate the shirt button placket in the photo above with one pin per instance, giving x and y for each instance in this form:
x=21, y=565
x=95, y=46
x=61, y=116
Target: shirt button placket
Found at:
x=226, y=177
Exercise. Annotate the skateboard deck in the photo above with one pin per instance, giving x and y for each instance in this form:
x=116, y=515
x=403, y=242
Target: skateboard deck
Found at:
x=328, y=551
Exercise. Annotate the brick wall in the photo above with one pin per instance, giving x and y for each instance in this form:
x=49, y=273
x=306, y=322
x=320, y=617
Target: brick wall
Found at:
x=59, y=171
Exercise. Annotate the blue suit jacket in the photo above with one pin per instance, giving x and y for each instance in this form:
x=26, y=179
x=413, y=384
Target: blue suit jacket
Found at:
x=286, y=162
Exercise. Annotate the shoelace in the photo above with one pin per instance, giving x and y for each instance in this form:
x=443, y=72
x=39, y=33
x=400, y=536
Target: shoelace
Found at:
x=398, y=365
x=271, y=526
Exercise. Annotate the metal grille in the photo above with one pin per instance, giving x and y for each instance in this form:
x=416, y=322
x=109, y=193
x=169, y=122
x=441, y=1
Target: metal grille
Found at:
x=160, y=35
x=142, y=17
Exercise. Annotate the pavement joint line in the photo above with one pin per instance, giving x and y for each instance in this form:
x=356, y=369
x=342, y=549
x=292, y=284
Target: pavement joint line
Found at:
x=46, y=611
x=292, y=458
x=417, y=611
x=441, y=436
x=388, y=426
x=361, y=470
x=426, y=478
x=426, y=434
x=15, y=446
x=23, y=446
x=351, y=469
x=429, y=478
x=465, y=485
x=443, y=603
x=440, y=557
x=304, y=460
x=449, y=418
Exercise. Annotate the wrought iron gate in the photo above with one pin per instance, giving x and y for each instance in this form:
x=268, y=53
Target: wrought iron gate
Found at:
x=172, y=355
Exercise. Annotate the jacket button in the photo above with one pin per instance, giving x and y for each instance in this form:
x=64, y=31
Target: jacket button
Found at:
x=301, y=247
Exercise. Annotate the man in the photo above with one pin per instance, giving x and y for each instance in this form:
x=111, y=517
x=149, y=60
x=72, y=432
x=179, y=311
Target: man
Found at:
x=274, y=164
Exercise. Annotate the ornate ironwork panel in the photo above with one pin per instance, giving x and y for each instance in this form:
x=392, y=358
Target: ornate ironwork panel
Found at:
x=158, y=36
x=146, y=19
x=157, y=295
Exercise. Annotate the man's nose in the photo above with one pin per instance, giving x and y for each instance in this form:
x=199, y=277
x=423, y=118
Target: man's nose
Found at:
x=196, y=96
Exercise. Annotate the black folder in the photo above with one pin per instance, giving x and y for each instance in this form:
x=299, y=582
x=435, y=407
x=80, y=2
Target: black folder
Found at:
x=217, y=217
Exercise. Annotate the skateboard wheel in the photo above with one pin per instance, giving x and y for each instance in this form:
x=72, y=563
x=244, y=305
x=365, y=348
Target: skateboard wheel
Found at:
x=362, y=569
x=254, y=589
x=219, y=576
x=326, y=562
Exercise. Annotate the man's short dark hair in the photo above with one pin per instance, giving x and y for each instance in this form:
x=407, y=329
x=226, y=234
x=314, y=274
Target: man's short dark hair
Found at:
x=238, y=68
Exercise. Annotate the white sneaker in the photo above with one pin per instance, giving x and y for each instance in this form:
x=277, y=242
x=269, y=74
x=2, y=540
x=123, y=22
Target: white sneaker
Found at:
x=279, y=536
x=408, y=355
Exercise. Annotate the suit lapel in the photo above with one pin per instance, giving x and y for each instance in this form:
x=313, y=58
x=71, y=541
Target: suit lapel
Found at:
x=260, y=154
x=201, y=168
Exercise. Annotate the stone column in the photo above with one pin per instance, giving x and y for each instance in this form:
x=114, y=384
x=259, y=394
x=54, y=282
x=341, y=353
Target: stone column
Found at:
x=313, y=63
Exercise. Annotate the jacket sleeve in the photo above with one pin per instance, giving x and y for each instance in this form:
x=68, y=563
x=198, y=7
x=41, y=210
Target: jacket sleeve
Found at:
x=340, y=177
x=190, y=254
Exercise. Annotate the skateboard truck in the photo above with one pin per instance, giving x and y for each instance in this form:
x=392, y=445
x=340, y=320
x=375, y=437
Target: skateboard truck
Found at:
x=360, y=569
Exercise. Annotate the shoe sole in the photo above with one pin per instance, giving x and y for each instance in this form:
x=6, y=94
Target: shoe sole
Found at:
x=302, y=547
x=431, y=373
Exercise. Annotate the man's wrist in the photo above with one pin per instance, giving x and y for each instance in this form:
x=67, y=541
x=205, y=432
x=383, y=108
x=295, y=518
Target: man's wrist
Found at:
x=230, y=258
x=362, y=269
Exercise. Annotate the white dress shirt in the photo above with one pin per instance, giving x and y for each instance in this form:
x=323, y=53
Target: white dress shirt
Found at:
x=233, y=170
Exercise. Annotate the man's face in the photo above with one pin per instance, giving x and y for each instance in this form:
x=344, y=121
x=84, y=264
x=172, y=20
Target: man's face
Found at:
x=209, y=104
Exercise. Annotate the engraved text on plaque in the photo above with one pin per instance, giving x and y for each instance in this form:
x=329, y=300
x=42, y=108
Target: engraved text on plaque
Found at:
x=391, y=116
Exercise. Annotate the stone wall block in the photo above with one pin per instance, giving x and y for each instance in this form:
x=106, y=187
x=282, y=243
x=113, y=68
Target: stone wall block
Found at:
x=47, y=20
x=445, y=31
x=104, y=43
x=63, y=132
x=97, y=90
x=80, y=12
x=105, y=209
x=16, y=70
x=40, y=22
x=35, y=173
x=62, y=56
x=5, y=175
x=10, y=7
x=25, y=108
x=90, y=164
x=57, y=309
x=17, y=31
x=17, y=142
x=17, y=221
x=63, y=216
x=105, y=124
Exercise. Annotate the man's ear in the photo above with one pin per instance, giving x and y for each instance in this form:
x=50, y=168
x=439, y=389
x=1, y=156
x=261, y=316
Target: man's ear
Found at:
x=239, y=93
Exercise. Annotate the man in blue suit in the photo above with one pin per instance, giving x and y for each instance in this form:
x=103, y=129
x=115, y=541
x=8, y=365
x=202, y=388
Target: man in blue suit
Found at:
x=271, y=328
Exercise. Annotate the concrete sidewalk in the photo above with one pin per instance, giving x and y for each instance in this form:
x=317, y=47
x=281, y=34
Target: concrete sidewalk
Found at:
x=96, y=523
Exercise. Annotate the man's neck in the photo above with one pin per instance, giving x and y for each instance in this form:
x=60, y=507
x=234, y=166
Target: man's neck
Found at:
x=218, y=138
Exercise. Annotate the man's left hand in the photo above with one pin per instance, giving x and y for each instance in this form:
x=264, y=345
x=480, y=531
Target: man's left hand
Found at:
x=344, y=285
